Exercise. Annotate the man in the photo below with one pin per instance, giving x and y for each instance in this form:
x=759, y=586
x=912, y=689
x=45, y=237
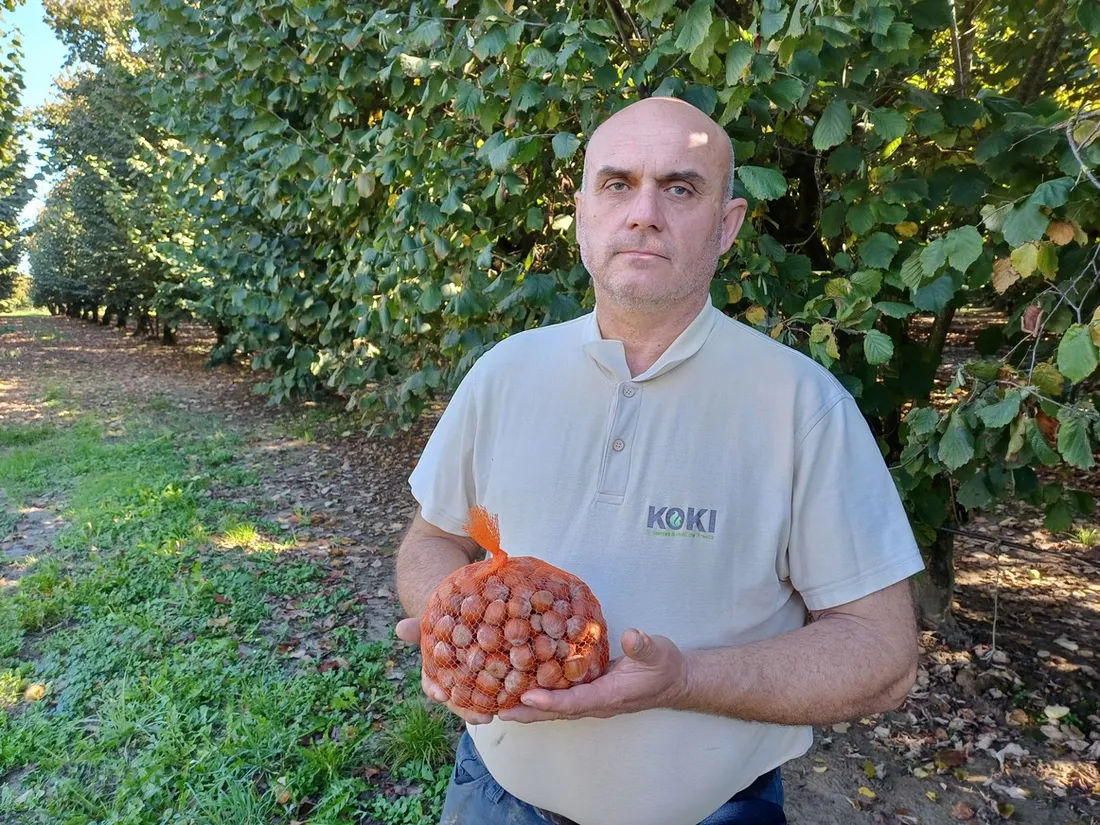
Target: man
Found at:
x=711, y=486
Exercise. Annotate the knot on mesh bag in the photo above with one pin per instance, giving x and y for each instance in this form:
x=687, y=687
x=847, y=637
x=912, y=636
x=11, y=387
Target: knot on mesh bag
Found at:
x=498, y=627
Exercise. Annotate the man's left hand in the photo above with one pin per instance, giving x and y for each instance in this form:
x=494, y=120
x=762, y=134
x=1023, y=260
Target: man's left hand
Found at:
x=652, y=673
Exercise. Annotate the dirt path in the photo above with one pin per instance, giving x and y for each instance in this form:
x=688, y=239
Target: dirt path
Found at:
x=976, y=741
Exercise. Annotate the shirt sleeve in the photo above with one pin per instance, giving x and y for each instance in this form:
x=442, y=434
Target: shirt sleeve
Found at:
x=443, y=482
x=850, y=534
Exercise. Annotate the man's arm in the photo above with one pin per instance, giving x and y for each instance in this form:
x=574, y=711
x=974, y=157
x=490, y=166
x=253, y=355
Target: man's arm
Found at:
x=426, y=557
x=852, y=660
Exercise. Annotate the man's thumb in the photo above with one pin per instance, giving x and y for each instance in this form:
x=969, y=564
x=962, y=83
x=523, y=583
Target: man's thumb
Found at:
x=639, y=647
x=408, y=630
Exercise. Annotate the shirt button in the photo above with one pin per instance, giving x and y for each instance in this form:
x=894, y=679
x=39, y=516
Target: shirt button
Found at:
x=618, y=444
x=629, y=391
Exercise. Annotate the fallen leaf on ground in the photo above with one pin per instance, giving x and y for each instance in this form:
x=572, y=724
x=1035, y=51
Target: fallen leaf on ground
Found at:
x=963, y=811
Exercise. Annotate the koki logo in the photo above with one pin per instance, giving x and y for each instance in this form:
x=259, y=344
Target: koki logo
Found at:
x=676, y=518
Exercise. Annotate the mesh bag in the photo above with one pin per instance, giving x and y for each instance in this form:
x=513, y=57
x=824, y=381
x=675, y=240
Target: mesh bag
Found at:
x=498, y=627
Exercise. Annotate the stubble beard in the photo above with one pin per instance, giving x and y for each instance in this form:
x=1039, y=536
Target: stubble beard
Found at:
x=694, y=281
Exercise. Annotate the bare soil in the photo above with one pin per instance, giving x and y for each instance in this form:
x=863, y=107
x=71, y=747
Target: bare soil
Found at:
x=997, y=729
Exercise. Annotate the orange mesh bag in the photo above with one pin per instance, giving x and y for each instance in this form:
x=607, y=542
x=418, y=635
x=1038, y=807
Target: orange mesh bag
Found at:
x=498, y=627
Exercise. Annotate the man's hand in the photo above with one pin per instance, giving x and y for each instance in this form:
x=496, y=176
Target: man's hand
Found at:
x=408, y=630
x=652, y=674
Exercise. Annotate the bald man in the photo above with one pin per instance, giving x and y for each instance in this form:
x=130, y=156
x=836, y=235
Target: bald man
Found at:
x=719, y=492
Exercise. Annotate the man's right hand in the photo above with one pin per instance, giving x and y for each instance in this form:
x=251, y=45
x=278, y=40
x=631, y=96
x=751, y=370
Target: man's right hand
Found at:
x=408, y=630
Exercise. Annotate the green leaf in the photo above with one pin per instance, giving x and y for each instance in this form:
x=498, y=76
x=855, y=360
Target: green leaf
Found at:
x=771, y=22
x=1025, y=259
x=931, y=14
x=1039, y=444
x=933, y=256
x=928, y=123
x=738, y=59
x=1024, y=224
x=974, y=492
x=492, y=43
x=878, y=251
x=956, y=447
x=1077, y=354
x=922, y=420
x=912, y=271
x=889, y=124
x=834, y=126
x=655, y=10
x=1048, y=260
x=529, y=95
x=762, y=182
x=696, y=24
x=703, y=98
x=1073, y=439
x=878, y=347
x=895, y=309
x=964, y=246
x=500, y=156
x=1046, y=377
x=290, y=155
x=1088, y=16
x=565, y=144
x=860, y=219
x=1052, y=193
x=1058, y=517
x=934, y=297
x=468, y=98
x=846, y=158
x=832, y=219
x=1002, y=412
x=867, y=282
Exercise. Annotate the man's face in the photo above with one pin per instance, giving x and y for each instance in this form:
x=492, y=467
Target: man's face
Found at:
x=653, y=218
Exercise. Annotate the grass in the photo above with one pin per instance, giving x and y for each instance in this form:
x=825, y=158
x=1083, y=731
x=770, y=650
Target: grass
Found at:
x=1087, y=536
x=168, y=698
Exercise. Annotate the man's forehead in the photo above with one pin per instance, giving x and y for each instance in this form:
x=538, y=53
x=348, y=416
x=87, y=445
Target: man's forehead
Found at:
x=654, y=150
x=658, y=128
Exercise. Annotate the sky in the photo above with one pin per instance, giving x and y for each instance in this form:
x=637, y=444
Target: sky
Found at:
x=43, y=55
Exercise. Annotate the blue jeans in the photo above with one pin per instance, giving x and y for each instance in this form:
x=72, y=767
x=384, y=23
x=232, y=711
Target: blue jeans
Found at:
x=475, y=798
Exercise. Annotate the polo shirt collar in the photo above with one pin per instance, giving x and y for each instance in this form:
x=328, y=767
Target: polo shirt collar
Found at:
x=610, y=355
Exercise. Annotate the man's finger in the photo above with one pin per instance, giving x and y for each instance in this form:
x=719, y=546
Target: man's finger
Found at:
x=471, y=716
x=524, y=714
x=432, y=690
x=580, y=700
x=408, y=630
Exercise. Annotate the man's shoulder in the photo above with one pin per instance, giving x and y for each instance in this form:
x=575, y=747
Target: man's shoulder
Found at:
x=755, y=355
x=527, y=347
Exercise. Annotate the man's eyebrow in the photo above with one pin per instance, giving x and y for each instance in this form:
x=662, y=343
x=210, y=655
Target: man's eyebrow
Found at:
x=687, y=175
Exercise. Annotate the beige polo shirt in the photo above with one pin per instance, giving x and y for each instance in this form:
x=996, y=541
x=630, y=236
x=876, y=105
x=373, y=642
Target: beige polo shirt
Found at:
x=711, y=499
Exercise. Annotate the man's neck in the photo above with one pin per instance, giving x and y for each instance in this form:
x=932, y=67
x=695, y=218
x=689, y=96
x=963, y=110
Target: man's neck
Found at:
x=645, y=335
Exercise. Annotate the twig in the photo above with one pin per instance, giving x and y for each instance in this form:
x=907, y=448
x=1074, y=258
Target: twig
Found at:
x=996, y=592
x=1077, y=153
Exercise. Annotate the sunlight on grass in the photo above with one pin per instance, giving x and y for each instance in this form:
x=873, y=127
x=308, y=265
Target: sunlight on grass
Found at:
x=247, y=537
x=1087, y=536
x=11, y=687
x=155, y=621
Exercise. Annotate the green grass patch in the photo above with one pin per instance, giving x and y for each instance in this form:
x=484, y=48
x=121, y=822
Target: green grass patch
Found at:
x=168, y=699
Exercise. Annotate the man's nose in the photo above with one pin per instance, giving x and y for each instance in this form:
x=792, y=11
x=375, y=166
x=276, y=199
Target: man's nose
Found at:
x=646, y=209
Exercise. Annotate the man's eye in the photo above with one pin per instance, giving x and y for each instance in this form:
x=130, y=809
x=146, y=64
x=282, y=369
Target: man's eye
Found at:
x=616, y=183
x=680, y=190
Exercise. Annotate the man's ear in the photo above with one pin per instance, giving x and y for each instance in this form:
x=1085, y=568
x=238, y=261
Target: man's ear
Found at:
x=733, y=217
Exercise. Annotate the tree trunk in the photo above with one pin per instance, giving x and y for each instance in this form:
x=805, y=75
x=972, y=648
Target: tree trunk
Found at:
x=142, y=324
x=1038, y=68
x=934, y=587
x=169, y=335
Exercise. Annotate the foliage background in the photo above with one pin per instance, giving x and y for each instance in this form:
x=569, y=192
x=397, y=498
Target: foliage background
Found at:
x=363, y=198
